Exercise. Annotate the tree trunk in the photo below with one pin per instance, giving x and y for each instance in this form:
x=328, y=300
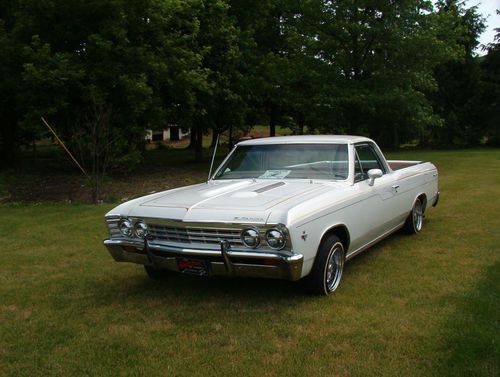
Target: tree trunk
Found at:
x=302, y=123
x=230, y=143
x=198, y=155
x=8, y=138
x=272, y=121
x=192, y=139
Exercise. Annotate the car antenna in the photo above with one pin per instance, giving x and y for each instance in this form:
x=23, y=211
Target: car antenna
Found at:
x=213, y=158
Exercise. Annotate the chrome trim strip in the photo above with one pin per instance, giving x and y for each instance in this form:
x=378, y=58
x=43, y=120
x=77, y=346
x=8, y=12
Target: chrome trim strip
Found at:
x=190, y=251
x=193, y=224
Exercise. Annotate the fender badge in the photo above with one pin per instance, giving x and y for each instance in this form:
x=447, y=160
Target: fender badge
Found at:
x=304, y=235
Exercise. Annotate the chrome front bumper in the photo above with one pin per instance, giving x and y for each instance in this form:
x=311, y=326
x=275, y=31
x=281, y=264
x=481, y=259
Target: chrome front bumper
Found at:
x=223, y=262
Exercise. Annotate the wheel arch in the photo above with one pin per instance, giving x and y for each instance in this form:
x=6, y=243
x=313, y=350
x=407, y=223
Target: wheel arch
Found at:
x=423, y=198
x=341, y=231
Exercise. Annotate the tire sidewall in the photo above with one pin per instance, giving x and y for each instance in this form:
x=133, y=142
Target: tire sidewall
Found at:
x=414, y=209
x=317, y=279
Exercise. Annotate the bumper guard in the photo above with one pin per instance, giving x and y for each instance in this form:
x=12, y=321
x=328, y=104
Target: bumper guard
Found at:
x=223, y=262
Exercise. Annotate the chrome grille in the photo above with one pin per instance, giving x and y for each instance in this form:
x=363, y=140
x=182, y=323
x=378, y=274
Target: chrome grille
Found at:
x=211, y=236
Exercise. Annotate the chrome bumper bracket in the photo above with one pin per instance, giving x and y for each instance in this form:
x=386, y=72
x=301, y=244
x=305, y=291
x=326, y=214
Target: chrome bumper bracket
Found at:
x=224, y=248
x=149, y=254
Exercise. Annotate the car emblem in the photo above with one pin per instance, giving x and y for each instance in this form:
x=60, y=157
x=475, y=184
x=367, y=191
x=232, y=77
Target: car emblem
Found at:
x=304, y=235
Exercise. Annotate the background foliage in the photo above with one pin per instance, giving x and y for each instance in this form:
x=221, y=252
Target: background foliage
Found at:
x=102, y=72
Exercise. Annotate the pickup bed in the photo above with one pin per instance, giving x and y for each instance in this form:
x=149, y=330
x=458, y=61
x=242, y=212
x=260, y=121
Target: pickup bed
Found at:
x=401, y=164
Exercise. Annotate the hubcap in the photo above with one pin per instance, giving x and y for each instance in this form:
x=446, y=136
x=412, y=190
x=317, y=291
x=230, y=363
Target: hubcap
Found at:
x=334, y=267
x=418, y=215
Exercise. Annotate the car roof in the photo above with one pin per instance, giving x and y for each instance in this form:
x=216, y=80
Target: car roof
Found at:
x=306, y=139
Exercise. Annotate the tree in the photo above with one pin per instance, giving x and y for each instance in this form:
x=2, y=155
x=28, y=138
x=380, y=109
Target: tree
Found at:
x=458, y=81
x=263, y=23
x=10, y=84
x=490, y=91
x=220, y=104
x=382, y=56
x=124, y=67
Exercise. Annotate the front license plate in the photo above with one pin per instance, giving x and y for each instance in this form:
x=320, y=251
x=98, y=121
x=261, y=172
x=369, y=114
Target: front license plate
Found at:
x=192, y=266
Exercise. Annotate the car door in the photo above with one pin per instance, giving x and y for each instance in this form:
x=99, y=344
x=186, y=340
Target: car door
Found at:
x=378, y=214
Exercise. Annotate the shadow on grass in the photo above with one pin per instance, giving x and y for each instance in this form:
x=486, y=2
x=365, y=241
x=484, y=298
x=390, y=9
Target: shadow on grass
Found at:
x=192, y=289
x=243, y=290
x=473, y=332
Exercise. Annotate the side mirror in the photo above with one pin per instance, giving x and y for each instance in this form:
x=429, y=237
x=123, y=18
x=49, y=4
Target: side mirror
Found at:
x=374, y=173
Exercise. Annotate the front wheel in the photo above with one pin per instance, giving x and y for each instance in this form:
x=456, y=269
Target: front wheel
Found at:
x=327, y=270
x=415, y=219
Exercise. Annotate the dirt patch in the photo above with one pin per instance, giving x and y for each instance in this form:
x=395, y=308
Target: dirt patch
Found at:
x=72, y=188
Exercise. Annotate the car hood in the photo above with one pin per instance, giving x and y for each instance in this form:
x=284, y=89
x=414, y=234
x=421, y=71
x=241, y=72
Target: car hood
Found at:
x=249, y=201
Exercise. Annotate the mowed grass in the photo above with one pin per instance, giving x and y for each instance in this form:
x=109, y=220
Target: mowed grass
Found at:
x=425, y=305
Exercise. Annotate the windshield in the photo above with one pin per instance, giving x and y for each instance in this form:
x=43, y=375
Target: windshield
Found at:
x=279, y=161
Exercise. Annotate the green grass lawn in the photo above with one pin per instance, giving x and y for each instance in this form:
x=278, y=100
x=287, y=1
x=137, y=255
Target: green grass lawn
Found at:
x=425, y=305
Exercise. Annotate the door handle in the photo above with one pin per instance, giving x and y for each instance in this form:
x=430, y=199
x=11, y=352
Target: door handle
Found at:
x=395, y=188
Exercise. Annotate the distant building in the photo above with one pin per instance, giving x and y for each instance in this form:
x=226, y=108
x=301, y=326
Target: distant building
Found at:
x=170, y=133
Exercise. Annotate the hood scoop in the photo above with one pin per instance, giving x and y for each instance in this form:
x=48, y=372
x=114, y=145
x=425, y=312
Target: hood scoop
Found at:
x=269, y=187
x=260, y=190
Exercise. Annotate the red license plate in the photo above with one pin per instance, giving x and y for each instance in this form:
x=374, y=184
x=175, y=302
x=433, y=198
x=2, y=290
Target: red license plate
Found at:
x=192, y=266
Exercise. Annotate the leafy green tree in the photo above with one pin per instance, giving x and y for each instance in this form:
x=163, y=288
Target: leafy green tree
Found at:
x=11, y=60
x=457, y=97
x=363, y=67
x=126, y=66
x=490, y=92
x=221, y=103
x=262, y=25
x=382, y=55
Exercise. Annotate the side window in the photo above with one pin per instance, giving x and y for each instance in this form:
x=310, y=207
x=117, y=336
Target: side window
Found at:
x=366, y=159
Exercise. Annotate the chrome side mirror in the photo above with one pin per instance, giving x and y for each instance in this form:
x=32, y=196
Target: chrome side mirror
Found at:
x=374, y=173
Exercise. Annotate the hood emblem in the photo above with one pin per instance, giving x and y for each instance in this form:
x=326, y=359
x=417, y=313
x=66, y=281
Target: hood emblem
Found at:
x=244, y=218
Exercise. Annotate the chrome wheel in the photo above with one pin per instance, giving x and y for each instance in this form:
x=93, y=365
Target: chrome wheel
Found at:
x=334, y=267
x=415, y=220
x=418, y=216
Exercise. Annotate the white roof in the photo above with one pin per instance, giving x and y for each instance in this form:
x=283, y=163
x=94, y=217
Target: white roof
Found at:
x=306, y=139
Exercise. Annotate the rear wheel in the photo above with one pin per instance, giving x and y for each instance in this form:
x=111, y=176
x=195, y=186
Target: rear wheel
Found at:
x=328, y=267
x=155, y=273
x=415, y=219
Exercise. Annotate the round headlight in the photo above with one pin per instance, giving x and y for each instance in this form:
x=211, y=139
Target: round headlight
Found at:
x=275, y=239
x=125, y=227
x=250, y=237
x=141, y=229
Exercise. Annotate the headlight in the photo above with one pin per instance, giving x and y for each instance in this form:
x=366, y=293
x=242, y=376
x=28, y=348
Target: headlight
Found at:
x=275, y=239
x=250, y=237
x=125, y=227
x=141, y=229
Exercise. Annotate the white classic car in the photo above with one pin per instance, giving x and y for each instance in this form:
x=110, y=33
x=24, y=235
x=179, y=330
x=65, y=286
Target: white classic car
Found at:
x=284, y=207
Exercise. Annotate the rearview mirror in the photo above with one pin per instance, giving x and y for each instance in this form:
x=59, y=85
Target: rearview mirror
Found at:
x=374, y=173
